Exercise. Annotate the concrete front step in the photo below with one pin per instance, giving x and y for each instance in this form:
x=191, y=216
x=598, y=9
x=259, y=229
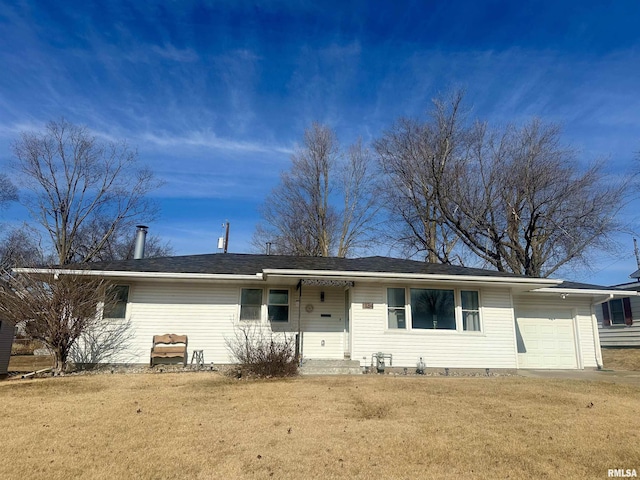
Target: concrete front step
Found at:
x=330, y=367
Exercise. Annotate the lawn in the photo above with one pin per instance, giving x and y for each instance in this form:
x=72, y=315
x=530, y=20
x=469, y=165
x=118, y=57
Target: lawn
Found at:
x=621, y=358
x=29, y=363
x=202, y=425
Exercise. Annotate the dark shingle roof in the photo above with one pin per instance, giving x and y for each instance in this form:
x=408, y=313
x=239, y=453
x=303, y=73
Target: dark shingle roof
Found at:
x=247, y=264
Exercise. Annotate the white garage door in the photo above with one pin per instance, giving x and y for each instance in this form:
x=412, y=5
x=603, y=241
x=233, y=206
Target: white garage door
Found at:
x=545, y=340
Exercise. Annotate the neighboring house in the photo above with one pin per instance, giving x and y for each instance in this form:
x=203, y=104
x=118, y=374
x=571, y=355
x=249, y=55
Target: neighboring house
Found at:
x=450, y=316
x=619, y=318
x=7, y=331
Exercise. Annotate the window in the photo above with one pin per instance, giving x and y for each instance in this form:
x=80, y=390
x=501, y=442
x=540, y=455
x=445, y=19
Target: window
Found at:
x=470, y=310
x=617, y=312
x=250, y=303
x=117, y=305
x=278, y=308
x=432, y=309
x=396, y=310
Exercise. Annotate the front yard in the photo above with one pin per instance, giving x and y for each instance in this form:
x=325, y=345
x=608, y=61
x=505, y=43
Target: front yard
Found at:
x=621, y=358
x=202, y=425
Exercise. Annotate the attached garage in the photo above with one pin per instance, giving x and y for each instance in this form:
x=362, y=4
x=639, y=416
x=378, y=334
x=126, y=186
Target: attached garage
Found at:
x=546, y=339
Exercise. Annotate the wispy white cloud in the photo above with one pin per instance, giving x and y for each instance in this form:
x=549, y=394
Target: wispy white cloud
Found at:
x=207, y=140
x=170, y=52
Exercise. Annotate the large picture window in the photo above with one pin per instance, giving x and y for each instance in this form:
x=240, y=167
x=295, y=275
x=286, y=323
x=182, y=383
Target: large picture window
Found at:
x=396, y=309
x=278, y=307
x=250, y=303
x=433, y=309
x=116, y=307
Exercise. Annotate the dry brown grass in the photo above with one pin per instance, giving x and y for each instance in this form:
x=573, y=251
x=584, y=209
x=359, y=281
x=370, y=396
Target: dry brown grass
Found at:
x=621, y=358
x=202, y=425
x=29, y=363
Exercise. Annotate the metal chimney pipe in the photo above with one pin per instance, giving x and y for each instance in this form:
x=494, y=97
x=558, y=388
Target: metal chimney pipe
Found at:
x=141, y=236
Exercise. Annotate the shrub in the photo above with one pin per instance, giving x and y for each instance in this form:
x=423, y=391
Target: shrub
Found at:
x=263, y=354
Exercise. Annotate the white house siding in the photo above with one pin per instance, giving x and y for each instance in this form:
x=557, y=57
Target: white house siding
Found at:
x=494, y=347
x=207, y=313
x=204, y=312
x=317, y=327
x=7, y=330
x=580, y=308
x=621, y=335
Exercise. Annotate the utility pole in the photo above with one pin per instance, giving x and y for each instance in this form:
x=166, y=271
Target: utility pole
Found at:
x=635, y=248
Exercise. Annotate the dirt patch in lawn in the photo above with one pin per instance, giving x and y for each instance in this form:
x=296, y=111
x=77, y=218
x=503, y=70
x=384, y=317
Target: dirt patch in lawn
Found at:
x=621, y=358
x=203, y=425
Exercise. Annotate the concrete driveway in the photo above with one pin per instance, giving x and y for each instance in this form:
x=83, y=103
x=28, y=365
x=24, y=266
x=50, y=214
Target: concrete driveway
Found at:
x=611, y=376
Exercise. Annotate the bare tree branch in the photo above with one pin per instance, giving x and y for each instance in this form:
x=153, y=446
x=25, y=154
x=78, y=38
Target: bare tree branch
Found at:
x=516, y=198
x=302, y=215
x=56, y=311
x=85, y=193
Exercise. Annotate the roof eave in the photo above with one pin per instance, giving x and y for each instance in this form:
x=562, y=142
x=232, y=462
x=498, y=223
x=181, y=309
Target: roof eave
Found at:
x=145, y=275
x=507, y=281
x=587, y=291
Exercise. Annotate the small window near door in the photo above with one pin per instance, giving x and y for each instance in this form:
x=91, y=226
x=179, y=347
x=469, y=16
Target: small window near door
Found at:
x=250, y=303
x=278, y=307
x=470, y=310
x=118, y=298
x=396, y=309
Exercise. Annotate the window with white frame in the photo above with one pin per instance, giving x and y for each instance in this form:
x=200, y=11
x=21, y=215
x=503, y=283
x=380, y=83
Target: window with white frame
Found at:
x=470, y=310
x=433, y=309
x=250, y=303
x=116, y=306
x=278, y=306
x=396, y=308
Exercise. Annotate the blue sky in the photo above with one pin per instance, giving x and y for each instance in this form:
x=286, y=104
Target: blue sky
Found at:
x=215, y=95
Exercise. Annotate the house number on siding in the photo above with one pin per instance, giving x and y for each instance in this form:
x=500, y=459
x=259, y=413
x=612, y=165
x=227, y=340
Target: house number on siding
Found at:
x=367, y=305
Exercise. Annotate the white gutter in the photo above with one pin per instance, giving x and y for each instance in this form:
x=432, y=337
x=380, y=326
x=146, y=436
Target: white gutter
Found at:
x=157, y=275
x=411, y=276
x=585, y=291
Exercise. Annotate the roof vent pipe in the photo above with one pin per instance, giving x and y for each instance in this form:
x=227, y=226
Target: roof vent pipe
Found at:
x=268, y=248
x=141, y=235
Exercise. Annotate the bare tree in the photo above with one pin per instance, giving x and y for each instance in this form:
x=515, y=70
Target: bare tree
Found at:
x=413, y=156
x=303, y=216
x=56, y=311
x=20, y=248
x=84, y=192
x=516, y=198
x=122, y=247
x=8, y=191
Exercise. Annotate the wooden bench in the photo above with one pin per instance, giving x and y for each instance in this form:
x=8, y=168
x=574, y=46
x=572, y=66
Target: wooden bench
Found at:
x=169, y=345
